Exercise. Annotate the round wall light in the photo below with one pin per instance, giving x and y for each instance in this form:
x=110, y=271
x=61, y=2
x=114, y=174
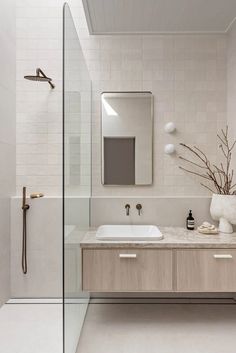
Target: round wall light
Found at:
x=170, y=127
x=169, y=148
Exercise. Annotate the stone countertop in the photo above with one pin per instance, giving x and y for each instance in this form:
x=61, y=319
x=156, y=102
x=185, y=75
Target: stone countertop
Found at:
x=174, y=237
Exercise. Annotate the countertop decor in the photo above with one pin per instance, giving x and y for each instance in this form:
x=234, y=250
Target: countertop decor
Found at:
x=219, y=179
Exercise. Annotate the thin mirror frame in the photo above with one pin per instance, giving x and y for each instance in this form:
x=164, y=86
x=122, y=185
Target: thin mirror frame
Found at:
x=119, y=94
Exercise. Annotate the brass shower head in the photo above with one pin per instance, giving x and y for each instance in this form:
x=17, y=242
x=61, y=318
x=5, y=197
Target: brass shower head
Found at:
x=40, y=77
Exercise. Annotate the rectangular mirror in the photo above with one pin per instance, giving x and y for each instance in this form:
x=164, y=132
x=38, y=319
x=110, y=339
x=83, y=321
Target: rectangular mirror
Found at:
x=127, y=138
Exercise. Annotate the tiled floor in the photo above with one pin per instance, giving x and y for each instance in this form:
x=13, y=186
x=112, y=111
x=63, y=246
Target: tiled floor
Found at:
x=164, y=328
x=31, y=328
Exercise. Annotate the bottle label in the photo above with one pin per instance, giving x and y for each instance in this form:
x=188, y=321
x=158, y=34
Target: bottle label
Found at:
x=190, y=224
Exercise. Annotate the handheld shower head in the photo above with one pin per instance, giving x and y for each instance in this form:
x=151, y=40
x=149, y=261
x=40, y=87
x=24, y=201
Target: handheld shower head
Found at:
x=40, y=77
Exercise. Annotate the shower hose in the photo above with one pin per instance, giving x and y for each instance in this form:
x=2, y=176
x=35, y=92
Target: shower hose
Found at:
x=25, y=208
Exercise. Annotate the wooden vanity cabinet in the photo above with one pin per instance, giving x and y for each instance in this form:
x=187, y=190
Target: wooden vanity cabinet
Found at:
x=125, y=270
x=206, y=270
x=158, y=270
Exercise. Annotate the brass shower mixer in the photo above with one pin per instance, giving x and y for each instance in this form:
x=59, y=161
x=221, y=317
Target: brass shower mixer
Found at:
x=25, y=208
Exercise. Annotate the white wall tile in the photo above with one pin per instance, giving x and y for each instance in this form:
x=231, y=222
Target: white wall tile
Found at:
x=7, y=138
x=44, y=277
x=187, y=75
x=231, y=86
x=161, y=211
x=39, y=109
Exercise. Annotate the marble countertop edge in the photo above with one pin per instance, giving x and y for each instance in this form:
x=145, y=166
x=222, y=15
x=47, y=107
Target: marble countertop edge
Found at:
x=174, y=238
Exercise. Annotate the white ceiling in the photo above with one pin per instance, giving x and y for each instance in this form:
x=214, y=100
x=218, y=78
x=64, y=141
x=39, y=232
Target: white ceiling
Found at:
x=159, y=16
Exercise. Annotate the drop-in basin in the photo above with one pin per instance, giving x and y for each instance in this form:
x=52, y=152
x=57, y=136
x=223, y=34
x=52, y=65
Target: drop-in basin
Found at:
x=128, y=232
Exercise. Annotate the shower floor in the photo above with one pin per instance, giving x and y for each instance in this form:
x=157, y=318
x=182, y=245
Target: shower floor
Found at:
x=28, y=326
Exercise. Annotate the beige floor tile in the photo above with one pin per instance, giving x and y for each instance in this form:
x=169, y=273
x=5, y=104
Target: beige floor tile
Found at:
x=154, y=328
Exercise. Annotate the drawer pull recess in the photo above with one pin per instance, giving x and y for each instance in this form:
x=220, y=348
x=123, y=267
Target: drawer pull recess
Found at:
x=128, y=256
x=223, y=256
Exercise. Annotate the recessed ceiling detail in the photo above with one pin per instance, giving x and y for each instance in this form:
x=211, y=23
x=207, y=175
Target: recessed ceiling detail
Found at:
x=159, y=16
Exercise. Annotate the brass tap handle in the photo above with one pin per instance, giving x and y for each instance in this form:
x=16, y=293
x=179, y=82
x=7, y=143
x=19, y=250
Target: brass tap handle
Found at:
x=139, y=207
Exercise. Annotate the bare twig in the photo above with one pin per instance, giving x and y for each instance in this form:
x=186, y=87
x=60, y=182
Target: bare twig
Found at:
x=221, y=176
x=196, y=164
x=190, y=171
x=206, y=187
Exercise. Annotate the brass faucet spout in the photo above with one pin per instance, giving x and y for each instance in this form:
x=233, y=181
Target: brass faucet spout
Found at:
x=127, y=207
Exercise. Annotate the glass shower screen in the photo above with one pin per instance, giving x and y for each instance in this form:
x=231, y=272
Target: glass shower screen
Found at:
x=76, y=177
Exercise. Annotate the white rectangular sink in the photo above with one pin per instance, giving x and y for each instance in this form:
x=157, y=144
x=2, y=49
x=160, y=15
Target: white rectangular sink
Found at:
x=128, y=232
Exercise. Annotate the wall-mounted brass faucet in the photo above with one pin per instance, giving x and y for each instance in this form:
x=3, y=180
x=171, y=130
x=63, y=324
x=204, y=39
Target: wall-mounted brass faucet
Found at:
x=127, y=207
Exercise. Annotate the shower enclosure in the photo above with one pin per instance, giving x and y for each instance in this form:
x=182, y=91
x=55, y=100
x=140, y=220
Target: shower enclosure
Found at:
x=76, y=178
x=38, y=264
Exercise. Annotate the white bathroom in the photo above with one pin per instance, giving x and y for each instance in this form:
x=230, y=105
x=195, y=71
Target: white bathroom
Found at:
x=118, y=176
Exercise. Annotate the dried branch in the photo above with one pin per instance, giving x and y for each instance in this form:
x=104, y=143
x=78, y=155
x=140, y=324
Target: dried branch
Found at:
x=187, y=160
x=190, y=171
x=207, y=187
x=232, y=147
x=221, y=176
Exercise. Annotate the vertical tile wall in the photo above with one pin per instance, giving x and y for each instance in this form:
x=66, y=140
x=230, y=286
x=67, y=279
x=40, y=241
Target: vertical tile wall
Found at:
x=7, y=138
x=231, y=93
x=39, y=108
x=187, y=75
x=39, y=145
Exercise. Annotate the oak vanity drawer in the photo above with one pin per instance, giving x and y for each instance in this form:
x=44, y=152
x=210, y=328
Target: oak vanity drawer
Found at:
x=117, y=270
x=206, y=270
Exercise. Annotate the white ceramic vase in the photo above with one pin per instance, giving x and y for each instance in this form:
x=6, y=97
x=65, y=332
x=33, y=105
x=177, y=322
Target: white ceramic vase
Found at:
x=223, y=209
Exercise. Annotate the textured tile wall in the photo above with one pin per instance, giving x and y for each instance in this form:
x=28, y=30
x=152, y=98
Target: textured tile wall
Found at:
x=163, y=211
x=44, y=249
x=231, y=92
x=7, y=138
x=39, y=109
x=187, y=75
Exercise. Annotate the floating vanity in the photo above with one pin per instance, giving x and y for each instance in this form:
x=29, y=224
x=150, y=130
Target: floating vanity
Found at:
x=183, y=261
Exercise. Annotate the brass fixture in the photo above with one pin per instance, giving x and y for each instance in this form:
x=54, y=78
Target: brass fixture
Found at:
x=36, y=195
x=41, y=77
x=127, y=207
x=139, y=207
x=25, y=208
